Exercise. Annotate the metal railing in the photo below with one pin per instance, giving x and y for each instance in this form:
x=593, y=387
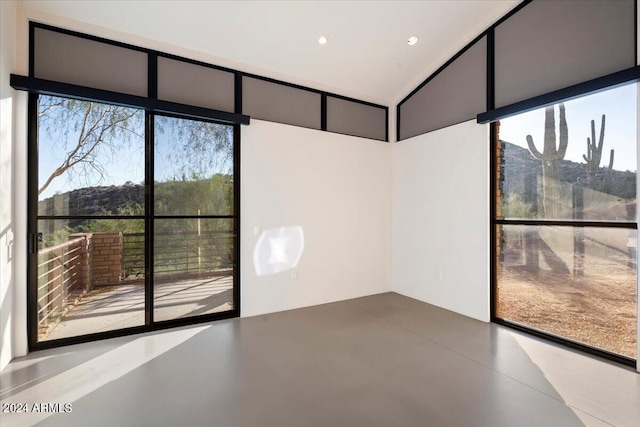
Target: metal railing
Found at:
x=59, y=277
x=178, y=253
x=133, y=254
x=65, y=270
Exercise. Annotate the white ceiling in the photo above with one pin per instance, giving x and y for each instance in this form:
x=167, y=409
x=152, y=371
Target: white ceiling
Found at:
x=367, y=57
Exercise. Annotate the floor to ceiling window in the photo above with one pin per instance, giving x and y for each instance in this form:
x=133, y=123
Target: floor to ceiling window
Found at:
x=565, y=221
x=110, y=250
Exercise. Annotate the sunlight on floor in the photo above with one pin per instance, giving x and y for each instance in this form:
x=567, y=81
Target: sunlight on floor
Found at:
x=561, y=367
x=75, y=383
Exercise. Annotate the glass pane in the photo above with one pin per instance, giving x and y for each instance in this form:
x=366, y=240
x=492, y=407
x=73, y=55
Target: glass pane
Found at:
x=573, y=282
x=193, y=267
x=573, y=161
x=193, y=168
x=90, y=158
x=90, y=276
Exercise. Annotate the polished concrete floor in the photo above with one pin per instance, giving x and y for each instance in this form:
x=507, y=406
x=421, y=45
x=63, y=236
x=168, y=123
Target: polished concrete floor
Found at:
x=384, y=360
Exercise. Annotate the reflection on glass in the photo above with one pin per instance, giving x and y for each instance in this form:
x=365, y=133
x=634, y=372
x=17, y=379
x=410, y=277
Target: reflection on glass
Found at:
x=577, y=283
x=193, y=167
x=91, y=158
x=193, y=267
x=574, y=161
x=90, y=276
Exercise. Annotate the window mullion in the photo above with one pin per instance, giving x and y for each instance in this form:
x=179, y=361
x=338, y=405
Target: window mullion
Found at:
x=149, y=219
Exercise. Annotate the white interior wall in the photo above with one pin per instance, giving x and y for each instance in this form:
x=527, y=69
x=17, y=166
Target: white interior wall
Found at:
x=440, y=219
x=7, y=61
x=337, y=188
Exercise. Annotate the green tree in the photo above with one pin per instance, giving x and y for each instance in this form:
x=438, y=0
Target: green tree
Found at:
x=108, y=225
x=81, y=129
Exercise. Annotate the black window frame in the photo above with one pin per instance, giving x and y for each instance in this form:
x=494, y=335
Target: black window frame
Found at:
x=149, y=216
x=631, y=76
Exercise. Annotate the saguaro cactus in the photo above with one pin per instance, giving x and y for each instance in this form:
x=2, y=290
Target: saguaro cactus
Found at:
x=552, y=153
x=593, y=158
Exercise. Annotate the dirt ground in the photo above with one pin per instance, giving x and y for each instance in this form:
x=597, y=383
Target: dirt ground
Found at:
x=597, y=309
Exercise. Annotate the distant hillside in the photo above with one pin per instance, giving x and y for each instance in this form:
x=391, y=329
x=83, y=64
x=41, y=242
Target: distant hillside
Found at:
x=521, y=169
x=211, y=196
x=92, y=200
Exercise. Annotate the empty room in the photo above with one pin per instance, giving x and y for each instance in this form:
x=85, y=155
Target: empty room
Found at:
x=319, y=213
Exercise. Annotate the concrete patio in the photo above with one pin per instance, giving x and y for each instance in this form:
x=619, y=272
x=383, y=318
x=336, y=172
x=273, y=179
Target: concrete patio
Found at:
x=108, y=308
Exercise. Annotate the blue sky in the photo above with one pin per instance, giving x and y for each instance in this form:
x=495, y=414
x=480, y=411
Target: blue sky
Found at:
x=620, y=106
x=121, y=165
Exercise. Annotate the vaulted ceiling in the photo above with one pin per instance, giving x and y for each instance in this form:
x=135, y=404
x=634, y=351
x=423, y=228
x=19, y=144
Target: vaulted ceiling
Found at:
x=367, y=56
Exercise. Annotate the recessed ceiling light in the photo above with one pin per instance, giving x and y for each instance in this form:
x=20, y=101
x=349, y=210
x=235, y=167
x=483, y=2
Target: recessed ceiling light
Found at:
x=412, y=40
x=323, y=39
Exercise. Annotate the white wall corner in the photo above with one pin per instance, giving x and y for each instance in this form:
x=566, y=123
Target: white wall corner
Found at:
x=440, y=218
x=337, y=190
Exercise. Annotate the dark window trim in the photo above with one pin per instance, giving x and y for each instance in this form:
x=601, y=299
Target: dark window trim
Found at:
x=117, y=333
x=237, y=93
x=491, y=70
x=83, y=93
x=67, y=217
x=32, y=220
x=494, y=222
x=635, y=28
x=63, y=217
x=323, y=111
x=386, y=125
x=149, y=199
x=493, y=236
x=238, y=85
x=398, y=123
x=206, y=216
x=32, y=50
x=607, y=82
x=152, y=76
x=237, y=306
x=594, y=351
x=150, y=324
x=567, y=223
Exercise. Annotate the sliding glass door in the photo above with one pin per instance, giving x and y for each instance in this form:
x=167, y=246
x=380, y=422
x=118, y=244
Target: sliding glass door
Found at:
x=193, y=221
x=133, y=220
x=565, y=225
